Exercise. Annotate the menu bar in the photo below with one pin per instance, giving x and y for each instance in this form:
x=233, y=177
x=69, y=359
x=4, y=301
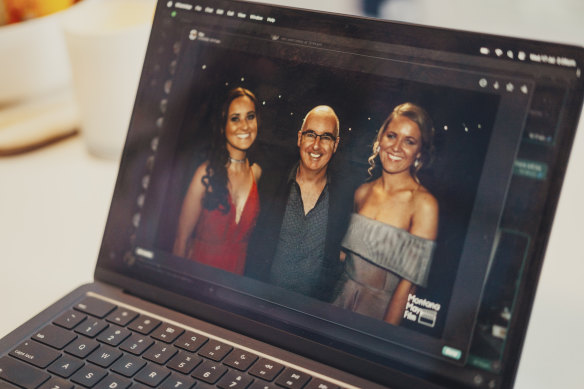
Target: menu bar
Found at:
x=522, y=56
x=476, y=44
x=230, y=13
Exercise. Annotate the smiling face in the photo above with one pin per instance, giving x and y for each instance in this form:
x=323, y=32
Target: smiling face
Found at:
x=316, y=152
x=241, y=127
x=400, y=145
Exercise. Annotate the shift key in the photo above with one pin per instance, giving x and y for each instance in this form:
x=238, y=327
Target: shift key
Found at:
x=35, y=353
x=20, y=373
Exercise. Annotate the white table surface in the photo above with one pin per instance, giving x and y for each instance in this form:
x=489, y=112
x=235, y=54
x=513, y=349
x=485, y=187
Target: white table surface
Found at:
x=54, y=202
x=53, y=207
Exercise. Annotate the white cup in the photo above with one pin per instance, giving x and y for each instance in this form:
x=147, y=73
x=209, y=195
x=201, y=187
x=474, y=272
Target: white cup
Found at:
x=106, y=41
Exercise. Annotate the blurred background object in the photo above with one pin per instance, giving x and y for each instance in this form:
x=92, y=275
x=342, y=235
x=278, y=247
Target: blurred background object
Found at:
x=106, y=42
x=37, y=103
x=372, y=7
x=20, y=10
x=3, y=15
x=33, y=59
x=559, y=21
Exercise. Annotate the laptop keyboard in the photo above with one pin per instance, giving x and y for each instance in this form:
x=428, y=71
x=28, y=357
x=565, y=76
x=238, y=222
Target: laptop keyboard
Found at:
x=100, y=345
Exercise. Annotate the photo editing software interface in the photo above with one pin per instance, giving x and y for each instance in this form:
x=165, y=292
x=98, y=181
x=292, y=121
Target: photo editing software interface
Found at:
x=498, y=111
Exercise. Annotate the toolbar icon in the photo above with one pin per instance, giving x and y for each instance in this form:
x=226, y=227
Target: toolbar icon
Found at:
x=521, y=55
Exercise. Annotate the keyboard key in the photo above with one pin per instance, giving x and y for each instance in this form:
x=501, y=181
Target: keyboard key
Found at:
x=152, y=375
x=91, y=328
x=167, y=333
x=128, y=365
x=69, y=319
x=35, y=353
x=121, y=316
x=293, y=379
x=82, y=347
x=240, y=360
x=104, y=356
x=88, y=375
x=160, y=353
x=215, y=350
x=54, y=336
x=113, y=381
x=20, y=373
x=177, y=381
x=56, y=383
x=209, y=372
x=113, y=335
x=144, y=325
x=65, y=366
x=136, y=344
x=190, y=341
x=266, y=369
x=95, y=307
x=184, y=362
x=234, y=379
x=317, y=383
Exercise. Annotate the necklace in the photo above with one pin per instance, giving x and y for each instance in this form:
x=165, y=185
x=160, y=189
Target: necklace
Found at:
x=233, y=160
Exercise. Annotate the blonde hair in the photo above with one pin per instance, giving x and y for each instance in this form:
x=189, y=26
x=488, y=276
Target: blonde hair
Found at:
x=419, y=116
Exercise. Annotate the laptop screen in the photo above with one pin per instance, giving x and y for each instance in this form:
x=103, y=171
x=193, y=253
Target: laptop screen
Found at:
x=382, y=189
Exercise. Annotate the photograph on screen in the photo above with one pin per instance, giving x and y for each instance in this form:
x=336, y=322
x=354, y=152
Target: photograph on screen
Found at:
x=350, y=242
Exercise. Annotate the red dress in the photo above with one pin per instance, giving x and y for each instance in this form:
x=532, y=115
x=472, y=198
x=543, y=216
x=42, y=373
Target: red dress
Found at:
x=221, y=242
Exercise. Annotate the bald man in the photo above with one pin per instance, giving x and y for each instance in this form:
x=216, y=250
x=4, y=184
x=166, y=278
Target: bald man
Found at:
x=296, y=243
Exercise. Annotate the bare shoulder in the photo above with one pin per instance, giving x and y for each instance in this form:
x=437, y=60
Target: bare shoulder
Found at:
x=257, y=171
x=425, y=217
x=202, y=169
x=199, y=174
x=362, y=192
x=425, y=202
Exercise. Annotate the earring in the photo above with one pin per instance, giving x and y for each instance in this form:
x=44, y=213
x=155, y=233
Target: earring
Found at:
x=377, y=149
x=417, y=163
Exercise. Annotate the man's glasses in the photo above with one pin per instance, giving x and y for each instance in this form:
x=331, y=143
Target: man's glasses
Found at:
x=312, y=136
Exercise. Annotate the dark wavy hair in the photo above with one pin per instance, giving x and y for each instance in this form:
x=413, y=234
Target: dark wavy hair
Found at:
x=419, y=116
x=215, y=179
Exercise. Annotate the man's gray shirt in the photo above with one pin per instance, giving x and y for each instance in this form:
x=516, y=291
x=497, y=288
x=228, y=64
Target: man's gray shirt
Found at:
x=300, y=251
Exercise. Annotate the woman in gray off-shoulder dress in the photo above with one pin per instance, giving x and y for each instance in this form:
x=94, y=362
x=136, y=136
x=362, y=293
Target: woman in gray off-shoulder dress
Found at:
x=388, y=247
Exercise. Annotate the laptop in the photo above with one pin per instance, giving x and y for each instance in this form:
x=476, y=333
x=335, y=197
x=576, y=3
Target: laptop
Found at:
x=477, y=128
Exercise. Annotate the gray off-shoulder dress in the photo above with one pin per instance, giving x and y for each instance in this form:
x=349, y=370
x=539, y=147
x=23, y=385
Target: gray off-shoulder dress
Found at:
x=378, y=257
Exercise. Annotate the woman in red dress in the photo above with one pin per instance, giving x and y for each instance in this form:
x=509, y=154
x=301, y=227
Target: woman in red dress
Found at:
x=221, y=206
